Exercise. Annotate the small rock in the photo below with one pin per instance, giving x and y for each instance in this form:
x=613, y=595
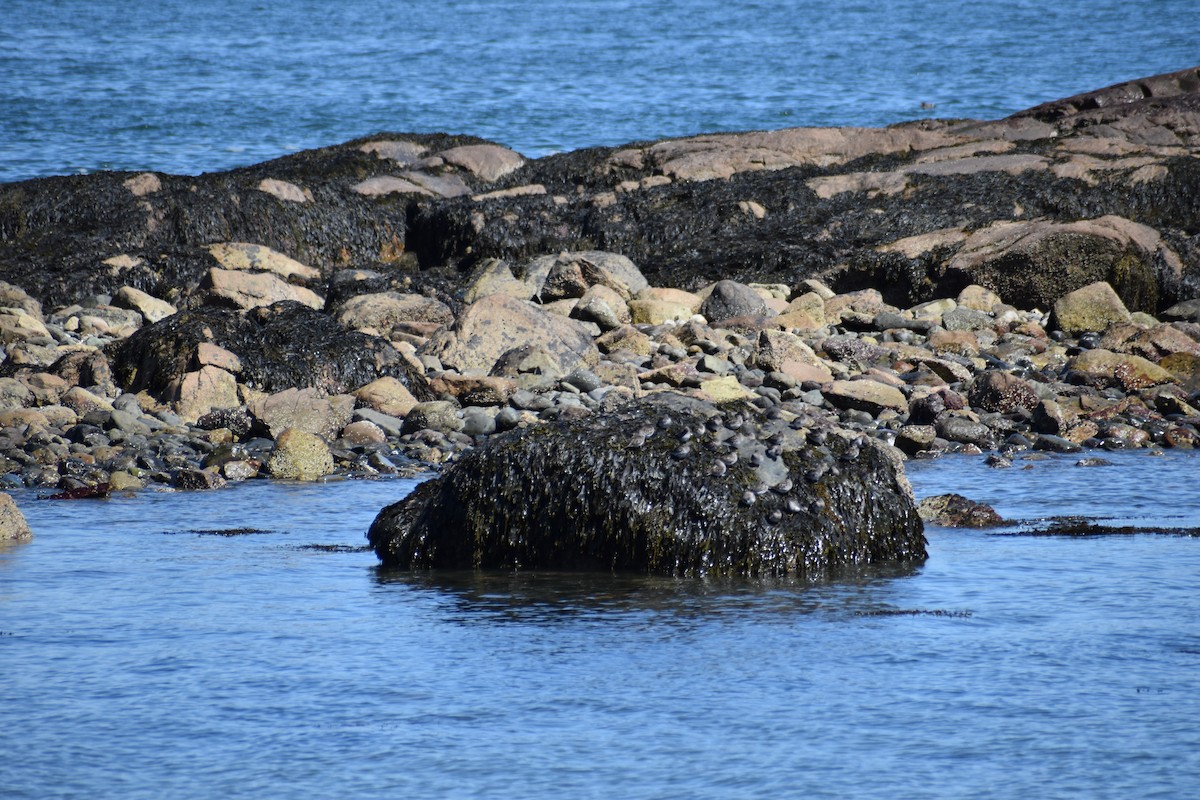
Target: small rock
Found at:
x=437, y=415
x=386, y=395
x=729, y=299
x=1091, y=308
x=13, y=527
x=956, y=511
x=151, y=308
x=965, y=431
x=247, y=290
x=1100, y=367
x=243, y=256
x=382, y=311
x=299, y=455
x=488, y=162
x=121, y=481
x=198, y=479
x=491, y=327
x=1055, y=444
x=304, y=409
x=995, y=390
x=912, y=439
x=472, y=390
x=966, y=319
x=391, y=425
x=865, y=395
x=204, y=390
x=363, y=432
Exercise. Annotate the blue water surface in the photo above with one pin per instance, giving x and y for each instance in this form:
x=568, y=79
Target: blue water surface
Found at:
x=187, y=87
x=142, y=655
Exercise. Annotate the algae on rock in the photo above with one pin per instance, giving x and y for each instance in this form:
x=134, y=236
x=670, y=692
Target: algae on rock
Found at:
x=669, y=485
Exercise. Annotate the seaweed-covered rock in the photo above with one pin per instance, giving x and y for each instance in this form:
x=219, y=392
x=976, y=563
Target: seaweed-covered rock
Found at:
x=956, y=511
x=66, y=237
x=670, y=484
x=281, y=346
x=1031, y=207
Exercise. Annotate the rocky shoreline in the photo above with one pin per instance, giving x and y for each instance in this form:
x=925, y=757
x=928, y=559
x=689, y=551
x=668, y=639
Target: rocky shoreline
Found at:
x=390, y=304
x=966, y=375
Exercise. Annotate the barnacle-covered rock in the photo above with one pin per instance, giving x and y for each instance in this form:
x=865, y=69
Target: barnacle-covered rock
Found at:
x=669, y=485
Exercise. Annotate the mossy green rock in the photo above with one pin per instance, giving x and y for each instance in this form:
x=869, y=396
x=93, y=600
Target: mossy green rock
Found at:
x=649, y=488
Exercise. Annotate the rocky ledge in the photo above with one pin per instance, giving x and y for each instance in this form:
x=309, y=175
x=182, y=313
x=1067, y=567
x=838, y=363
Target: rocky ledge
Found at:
x=399, y=301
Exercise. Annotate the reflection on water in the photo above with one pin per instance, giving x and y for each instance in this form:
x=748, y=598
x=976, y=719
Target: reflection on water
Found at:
x=554, y=598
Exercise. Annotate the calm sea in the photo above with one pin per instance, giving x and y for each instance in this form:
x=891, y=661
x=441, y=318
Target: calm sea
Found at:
x=144, y=655
x=189, y=87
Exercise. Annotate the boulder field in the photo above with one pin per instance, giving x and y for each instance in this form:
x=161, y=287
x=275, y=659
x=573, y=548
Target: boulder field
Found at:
x=402, y=302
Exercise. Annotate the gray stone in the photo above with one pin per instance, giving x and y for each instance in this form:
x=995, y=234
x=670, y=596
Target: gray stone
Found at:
x=392, y=426
x=730, y=299
x=123, y=420
x=965, y=431
x=966, y=319
x=478, y=421
x=584, y=380
x=436, y=415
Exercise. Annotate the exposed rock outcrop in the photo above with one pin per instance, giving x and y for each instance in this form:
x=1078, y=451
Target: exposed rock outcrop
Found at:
x=1095, y=188
x=670, y=485
x=281, y=346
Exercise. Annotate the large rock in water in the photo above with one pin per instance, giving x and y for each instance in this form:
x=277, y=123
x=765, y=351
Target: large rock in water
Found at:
x=667, y=485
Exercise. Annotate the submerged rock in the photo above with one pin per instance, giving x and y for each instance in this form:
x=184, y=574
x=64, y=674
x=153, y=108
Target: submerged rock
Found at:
x=669, y=485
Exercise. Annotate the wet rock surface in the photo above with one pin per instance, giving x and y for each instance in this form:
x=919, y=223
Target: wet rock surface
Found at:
x=668, y=485
x=956, y=511
x=411, y=302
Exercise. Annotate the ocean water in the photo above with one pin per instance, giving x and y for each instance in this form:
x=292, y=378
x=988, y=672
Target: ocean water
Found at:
x=145, y=654
x=188, y=87
x=142, y=655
